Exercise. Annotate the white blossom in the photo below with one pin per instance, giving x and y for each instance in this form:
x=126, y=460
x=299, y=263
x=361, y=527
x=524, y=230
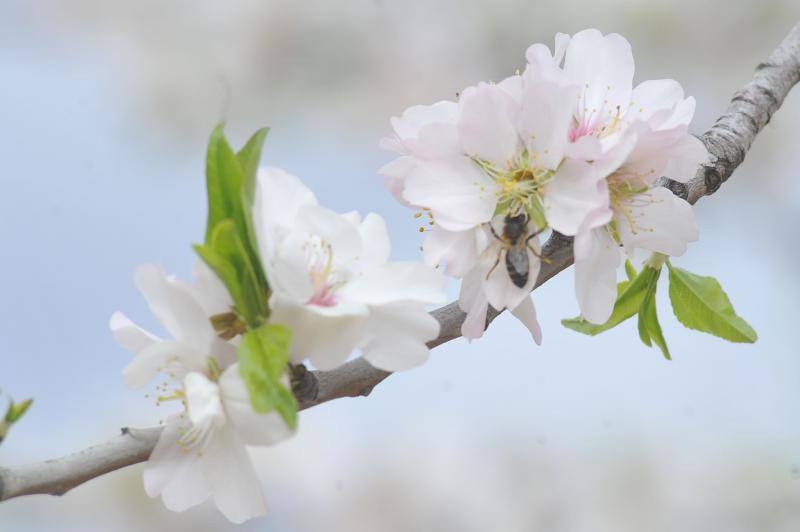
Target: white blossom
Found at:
x=333, y=284
x=201, y=452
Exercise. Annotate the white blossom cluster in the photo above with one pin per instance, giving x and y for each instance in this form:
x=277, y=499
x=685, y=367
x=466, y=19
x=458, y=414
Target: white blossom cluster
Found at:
x=568, y=145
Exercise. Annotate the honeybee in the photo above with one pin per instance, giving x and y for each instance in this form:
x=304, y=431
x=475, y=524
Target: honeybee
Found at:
x=516, y=242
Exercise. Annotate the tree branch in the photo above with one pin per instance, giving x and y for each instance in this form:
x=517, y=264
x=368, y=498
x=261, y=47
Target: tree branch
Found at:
x=727, y=141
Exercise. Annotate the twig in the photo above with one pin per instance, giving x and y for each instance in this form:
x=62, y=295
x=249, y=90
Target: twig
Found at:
x=727, y=141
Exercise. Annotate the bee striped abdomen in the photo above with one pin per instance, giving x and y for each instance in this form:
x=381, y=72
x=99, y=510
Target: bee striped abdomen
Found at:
x=517, y=265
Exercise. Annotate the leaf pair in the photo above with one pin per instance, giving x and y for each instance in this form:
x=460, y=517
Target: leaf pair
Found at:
x=230, y=247
x=634, y=296
x=231, y=250
x=14, y=413
x=698, y=302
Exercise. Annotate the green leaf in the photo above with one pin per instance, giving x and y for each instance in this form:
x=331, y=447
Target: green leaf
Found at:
x=630, y=271
x=227, y=256
x=230, y=247
x=700, y=303
x=17, y=410
x=630, y=295
x=649, y=328
x=249, y=157
x=263, y=363
x=224, y=179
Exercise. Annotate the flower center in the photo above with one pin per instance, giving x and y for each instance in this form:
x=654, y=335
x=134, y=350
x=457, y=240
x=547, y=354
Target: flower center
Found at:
x=520, y=186
x=325, y=278
x=594, y=121
x=626, y=201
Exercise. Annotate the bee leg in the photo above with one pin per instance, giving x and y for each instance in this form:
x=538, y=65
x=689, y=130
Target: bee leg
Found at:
x=494, y=232
x=535, y=233
x=539, y=255
x=495, y=265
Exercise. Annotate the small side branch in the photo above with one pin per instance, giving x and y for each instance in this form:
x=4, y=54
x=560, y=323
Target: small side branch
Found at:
x=727, y=141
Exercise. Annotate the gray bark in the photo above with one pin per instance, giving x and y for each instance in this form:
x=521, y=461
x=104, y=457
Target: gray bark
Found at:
x=727, y=141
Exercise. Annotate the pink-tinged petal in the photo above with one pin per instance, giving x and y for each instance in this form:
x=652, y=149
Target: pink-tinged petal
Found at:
x=486, y=123
x=662, y=222
x=235, y=486
x=596, y=274
x=654, y=95
x=586, y=147
x=413, y=119
x=173, y=473
x=455, y=249
x=526, y=313
x=129, y=335
x=174, y=306
x=473, y=301
x=396, y=281
x=574, y=192
x=460, y=195
x=254, y=428
x=685, y=158
x=334, y=337
x=605, y=64
x=544, y=122
x=374, y=233
x=169, y=357
x=397, y=334
x=615, y=155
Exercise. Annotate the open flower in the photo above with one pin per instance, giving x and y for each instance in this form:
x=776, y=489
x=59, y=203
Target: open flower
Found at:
x=332, y=282
x=201, y=451
x=502, y=152
x=632, y=135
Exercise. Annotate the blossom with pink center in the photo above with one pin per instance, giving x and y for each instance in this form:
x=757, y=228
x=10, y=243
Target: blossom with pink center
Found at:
x=633, y=136
x=333, y=284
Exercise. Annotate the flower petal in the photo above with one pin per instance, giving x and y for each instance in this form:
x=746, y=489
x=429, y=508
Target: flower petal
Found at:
x=685, y=158
x=604, y=66
x=235, y=486
x=596, y=274
x=526, y=313
x=174, y=306
x=396, y=281
x=129, y=335
x=544, y=122
x=413, y=119
x=279, y=196
x=326, y=340
x=663, y=223
x=654, y=95
x=173, y=473
x=337, y=231
x=254, y=428
x=574, y=192
x=458, y=193
x=456, y=249
x=487, y=118
x=472, y=300
x=170, y=357
x=376, y=237
x=397, y=335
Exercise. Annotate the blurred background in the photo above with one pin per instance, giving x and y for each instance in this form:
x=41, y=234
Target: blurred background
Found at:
x=107, y=108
